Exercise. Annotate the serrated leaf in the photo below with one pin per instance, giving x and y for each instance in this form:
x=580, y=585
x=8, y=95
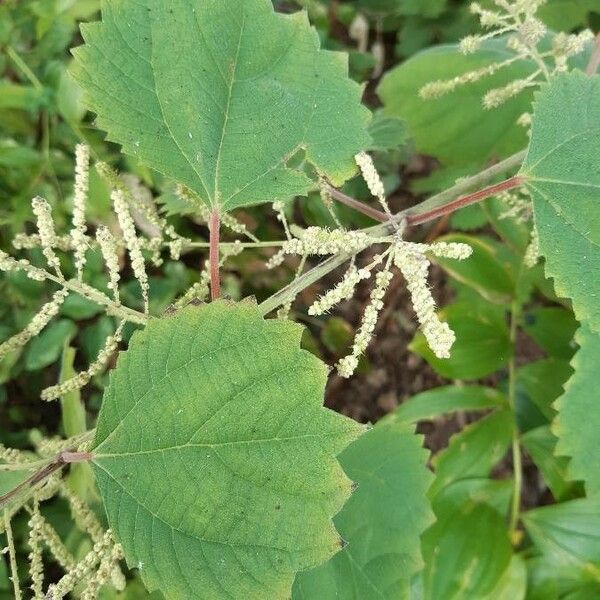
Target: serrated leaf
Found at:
x=383, y=534
x=215, y=457
x=220, y=95
x=563, y=176
x=578, y=420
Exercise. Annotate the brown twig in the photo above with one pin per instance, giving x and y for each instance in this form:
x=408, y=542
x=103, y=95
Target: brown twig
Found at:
x=62, y=459
x=358, y=206
x=215, y=276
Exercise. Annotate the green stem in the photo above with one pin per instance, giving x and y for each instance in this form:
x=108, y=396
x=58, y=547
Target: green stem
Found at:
x=14, y=574
x=24, y=68
x=515, y=510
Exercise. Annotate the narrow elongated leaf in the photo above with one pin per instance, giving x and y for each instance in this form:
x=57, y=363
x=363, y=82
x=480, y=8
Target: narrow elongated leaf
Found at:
x=383, y=533
x=561, y=171
x=220, y=95
x=447, y=399
x=215, y=457
x=578, y=423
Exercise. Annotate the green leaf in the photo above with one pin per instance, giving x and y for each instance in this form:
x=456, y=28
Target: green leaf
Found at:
x=387, y=133
x=474, y=451
x=215, y=457
x=221, y=95
x=484, y=271
x=541, y=382
x=578, y=420
x=540, y=444
x=482, y=342
x=447, y=399
x=566, y=15
x=383, y=534
x=512, y=585
x=455, y=128
x=466, y=553
x=553, y=329
x=568, y=533
x=47, y=346
x=562, y=174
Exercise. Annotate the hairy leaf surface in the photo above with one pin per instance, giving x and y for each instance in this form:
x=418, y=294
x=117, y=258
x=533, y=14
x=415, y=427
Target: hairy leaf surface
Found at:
x=563, y=175
x=220, y=95
x=578, y=423
x=215, y=457
x=382, y=522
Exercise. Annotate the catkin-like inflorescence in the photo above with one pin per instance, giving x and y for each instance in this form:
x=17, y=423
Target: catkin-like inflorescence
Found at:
x=82, y=379
x=46, y=230
x=39, y=321
x=36, y=565
x=83, y=568
x=108, y=571
x=84, y=516
x=78, y=232
x=344, y=290
x=110, y=254
x=532, y=254
x=132, y=242
x=372, y=179
x=414, y=265
x=347, y=365
x=316, y=241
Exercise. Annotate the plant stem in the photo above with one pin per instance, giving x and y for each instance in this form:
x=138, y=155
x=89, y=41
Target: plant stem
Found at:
x=430, y=207
x=273, y=244
x=215, y=276
x=594, y=59
x=515, y=509
x=14, y=574
x=463, y=201
x=358, y=206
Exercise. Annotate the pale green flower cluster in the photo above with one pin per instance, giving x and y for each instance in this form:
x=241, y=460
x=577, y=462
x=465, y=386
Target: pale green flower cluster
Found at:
x=526, y=37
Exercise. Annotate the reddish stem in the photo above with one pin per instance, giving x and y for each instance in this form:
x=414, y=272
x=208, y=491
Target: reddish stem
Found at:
x=595, y=58
x=446, y=209
x=359, y=206
x=215, y=277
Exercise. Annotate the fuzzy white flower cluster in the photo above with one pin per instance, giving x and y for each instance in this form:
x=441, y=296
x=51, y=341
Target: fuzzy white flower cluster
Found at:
x=318, y=241
x=372, y=179
x=414, y=265
x=344, y=290
x=78, y=232
x=347, y=365
x=83, y=378
x=411, y=260
x=525, y=38
x=47, y=233
x=35, y=326
x=110, y=254
x=132, y=242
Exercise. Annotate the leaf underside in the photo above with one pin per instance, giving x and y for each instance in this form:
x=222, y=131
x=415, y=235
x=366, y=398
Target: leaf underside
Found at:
x=215, y=457
x=562, y=173
x=220, y=95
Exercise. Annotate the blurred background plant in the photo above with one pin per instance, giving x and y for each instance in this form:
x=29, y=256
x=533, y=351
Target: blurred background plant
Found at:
x=485, y=412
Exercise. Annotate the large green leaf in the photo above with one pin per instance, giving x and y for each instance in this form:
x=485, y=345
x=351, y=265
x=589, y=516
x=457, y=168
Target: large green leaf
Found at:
x=568, y=533
x=578, y=421
x=220, y=95
x=455, y=128
x=466, y=552
x=383, y=533
x=474, y=451
x=562, y=174
x=215, y=457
